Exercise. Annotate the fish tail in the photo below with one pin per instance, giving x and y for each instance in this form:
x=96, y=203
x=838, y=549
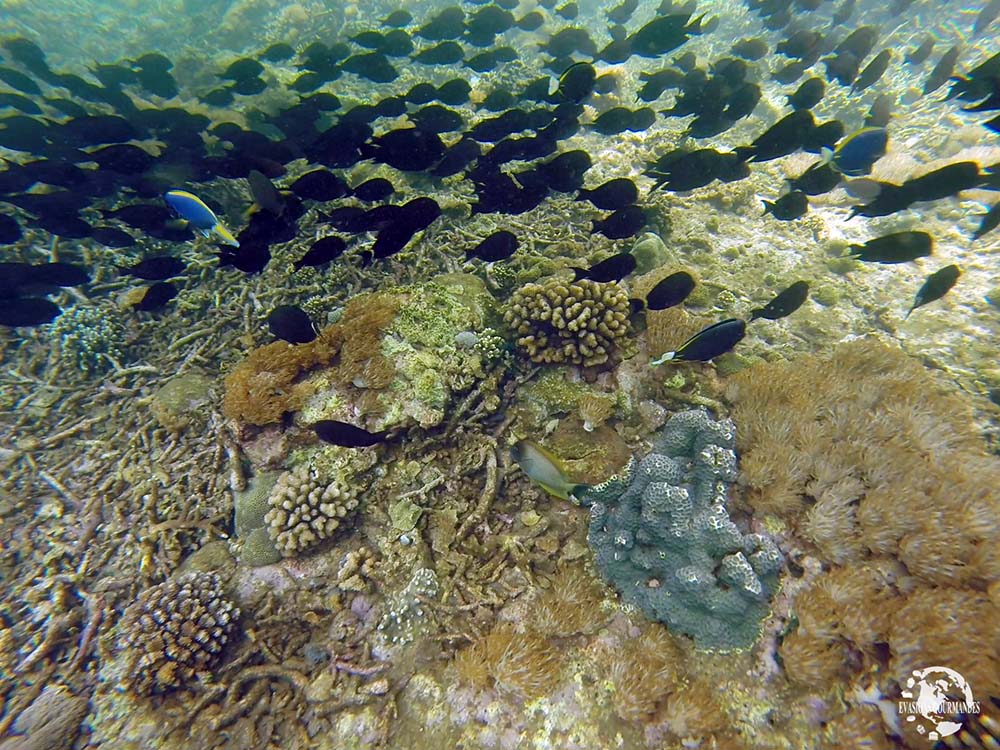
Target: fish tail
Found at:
x=768, y=206
x=226, y=235
x=579, y=273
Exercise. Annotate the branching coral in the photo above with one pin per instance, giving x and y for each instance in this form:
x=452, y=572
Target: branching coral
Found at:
x=582, y=323
x=305, y=509
x=175, y=630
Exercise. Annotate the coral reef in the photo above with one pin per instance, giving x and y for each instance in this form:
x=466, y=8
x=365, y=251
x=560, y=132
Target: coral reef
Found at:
x=520, y=663
x=662, y=535
x=91, y=337
x=175, y=630
x=306, y=509
x=581, y=323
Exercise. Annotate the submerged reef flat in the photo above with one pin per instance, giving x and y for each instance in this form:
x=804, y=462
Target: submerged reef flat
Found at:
x=463, y=509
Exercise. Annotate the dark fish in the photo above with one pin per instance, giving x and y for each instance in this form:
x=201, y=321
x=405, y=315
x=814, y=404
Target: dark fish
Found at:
x=625, y=222
x=670, y=291
x=824, y=135
x=18, y=80
x=498, y=246
x=918, y=54
x=264, y=193
x=58, y=274
x=802, y=44
x=373, y=66
x=899, y=247
x=808, y=94
x=873, y=71
x=454, y=92
x=615, y=268
x=278, y=52
x=20, y=103
x=530, y=21
x=498, y=100
x=249, y=257
x=859, y=42
x=156, y=268
x=615, y=120
x=322, y=251
x=843, y=13
x=990, y=221
x=944, y=182
x=784, y=304
x=664, y=34
x=374, y=190
x=623, y=12
x=788, y=207
x=889, y=199
x=398, y=19
x=658, y=82
x=819, y=178
x=347, y=435
x=408, y=150
x=113, y=237
x=457, y=158
x=708, y=343
x=576, y=83
x=782, y=138
x=569, y=11
x=880, y=112
x=238, y=70
x=436, y=118
x=790, y=73
x=10, y=230
x=290, y=323
x=319, y=185
x=942, y=71
x=749, y=49
x=27, y=311
x=936, y=286
x=218, y=97
x=94, y=130
x=123, y=158
x=249, y=86
x=445, y=53
x=448, y=24
x=612, y=195
x=157, y=295
x=421, y=93
x=842, y=68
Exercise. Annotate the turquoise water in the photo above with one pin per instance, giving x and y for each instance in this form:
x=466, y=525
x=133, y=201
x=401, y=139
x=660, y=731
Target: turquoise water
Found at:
x=572, y=390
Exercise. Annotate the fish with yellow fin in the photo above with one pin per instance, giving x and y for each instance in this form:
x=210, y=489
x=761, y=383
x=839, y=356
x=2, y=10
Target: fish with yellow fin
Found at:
x=198, y=215
x=544, y=469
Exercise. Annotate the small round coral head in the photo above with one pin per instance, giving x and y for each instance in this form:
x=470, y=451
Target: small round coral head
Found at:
x=201, y=218
x=544, y=469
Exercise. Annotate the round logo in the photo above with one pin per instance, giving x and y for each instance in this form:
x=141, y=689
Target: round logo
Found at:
x=934, y=698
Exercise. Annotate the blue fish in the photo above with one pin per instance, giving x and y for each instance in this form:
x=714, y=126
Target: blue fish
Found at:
x=198, y=215
x=855, y=155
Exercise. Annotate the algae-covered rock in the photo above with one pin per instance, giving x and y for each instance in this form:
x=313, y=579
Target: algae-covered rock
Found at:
x=181, y=401
x=404, y=514
x=650, y=253
x=250, y=504
x=258, y=549
x=212, y=557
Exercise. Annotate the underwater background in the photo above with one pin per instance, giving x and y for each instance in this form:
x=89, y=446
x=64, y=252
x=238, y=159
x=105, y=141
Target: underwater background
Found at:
x=538, y=374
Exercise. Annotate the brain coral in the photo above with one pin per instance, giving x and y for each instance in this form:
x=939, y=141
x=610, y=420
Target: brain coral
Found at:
x=662, y=535
x=580, y=323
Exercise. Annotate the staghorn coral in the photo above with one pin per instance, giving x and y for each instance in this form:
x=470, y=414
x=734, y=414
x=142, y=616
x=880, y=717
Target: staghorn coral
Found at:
x=582, y=323
x=524, y=664
x=175, y=630
x=662, y=536
x=306, y=508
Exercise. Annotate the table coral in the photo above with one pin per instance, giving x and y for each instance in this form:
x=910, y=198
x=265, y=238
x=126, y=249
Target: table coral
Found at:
x=662, y=535
x=582, y=323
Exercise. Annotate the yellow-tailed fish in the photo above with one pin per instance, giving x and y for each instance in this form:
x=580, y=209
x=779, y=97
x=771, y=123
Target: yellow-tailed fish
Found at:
x=198, y=215
x=543, y=468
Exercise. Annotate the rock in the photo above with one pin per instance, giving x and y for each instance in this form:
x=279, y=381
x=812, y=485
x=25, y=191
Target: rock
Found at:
x=180, y=402
x=650, y=253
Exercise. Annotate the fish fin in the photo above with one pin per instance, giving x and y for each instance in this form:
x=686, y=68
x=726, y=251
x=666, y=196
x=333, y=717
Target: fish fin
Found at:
x=905, y=317
x=224, y=234
x=665, y=357
x=826, y=156
x=768, y=207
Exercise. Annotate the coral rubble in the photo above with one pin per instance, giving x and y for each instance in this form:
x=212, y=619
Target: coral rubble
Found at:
x=662, y=535
x=175, y=630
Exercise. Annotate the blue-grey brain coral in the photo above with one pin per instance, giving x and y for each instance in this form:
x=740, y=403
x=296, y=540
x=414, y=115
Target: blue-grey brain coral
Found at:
x=662, y=535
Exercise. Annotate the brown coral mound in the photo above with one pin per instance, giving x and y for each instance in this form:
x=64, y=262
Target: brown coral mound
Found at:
x=175, y=630
x=571, y=606
x=524, y=664
x=581, y=323
x=865, y=453
x=264, y=386
x=643, y=673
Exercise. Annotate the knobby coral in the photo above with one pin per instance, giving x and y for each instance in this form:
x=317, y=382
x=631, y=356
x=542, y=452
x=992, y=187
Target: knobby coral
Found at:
x=662, y=535
x=306, y=508
x=175, y=630
x=582, y=323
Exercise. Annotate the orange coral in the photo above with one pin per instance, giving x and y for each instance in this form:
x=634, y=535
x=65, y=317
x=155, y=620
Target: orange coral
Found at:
x=266, y=385
x=524, y=664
